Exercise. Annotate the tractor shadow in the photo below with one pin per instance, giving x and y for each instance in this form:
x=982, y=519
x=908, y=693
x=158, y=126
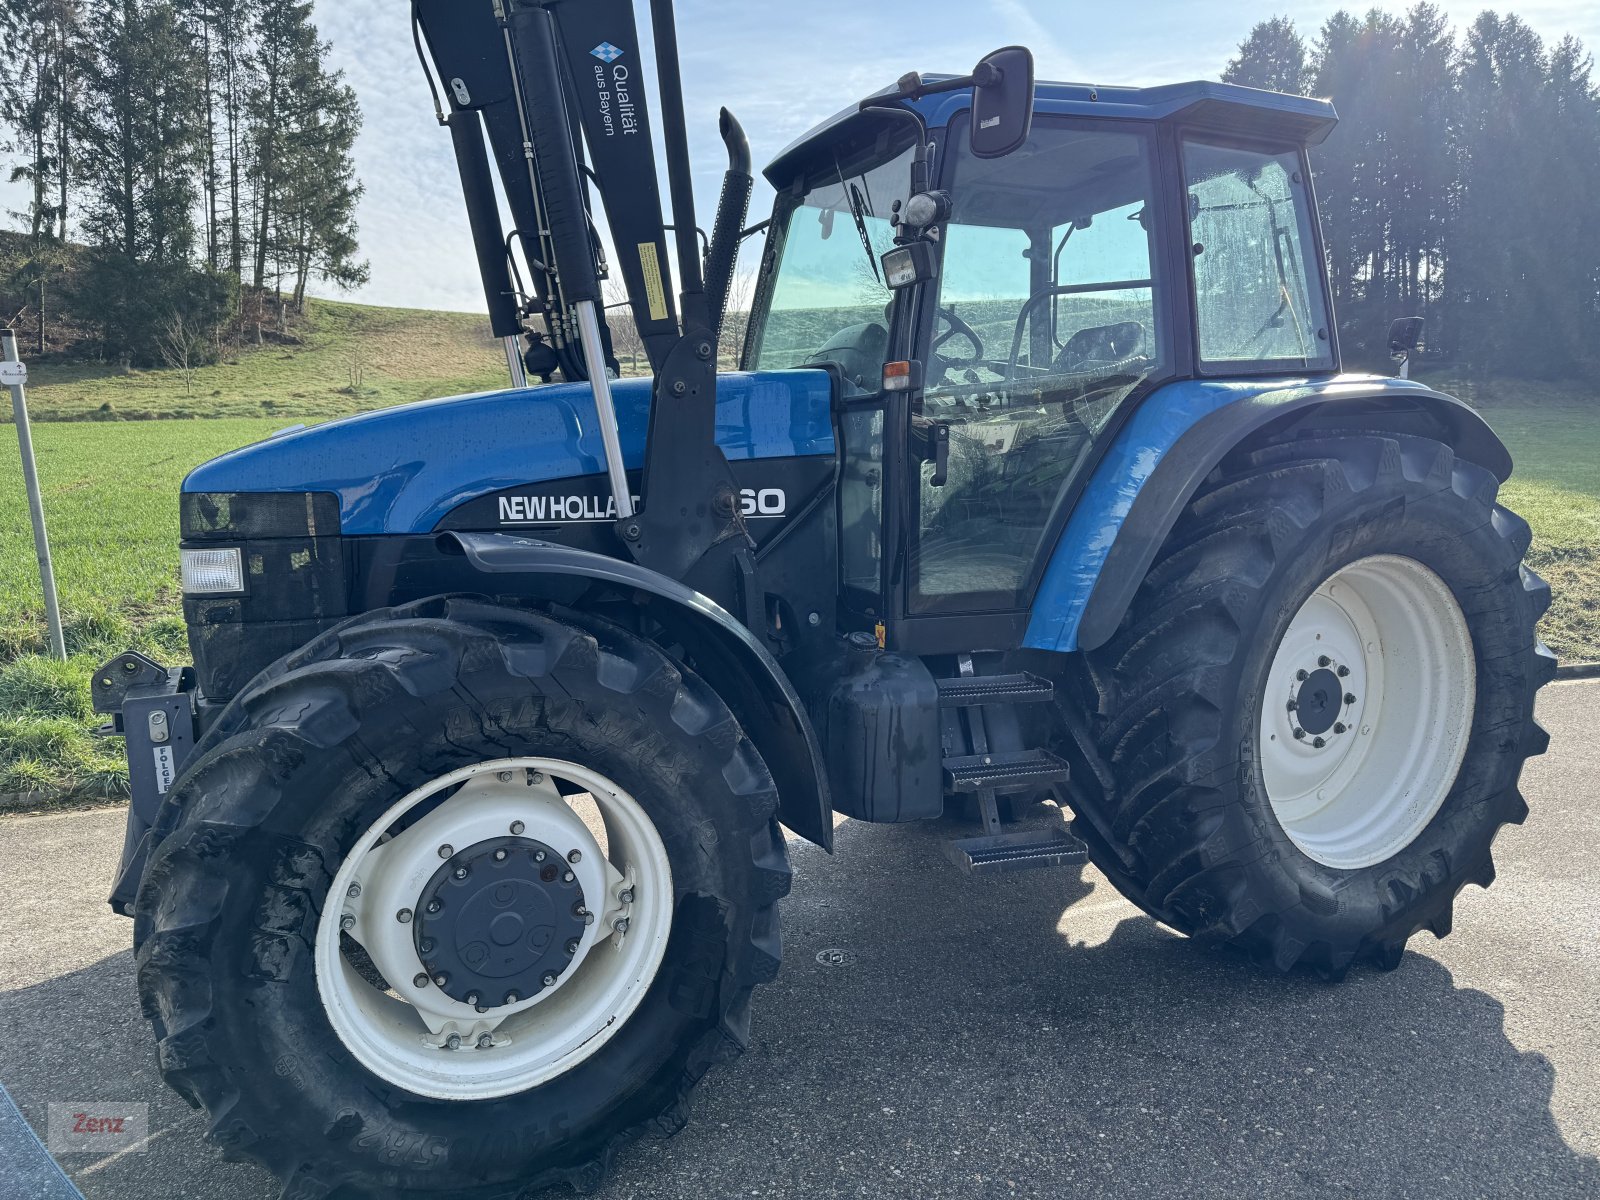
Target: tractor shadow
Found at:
x=1020, y=1036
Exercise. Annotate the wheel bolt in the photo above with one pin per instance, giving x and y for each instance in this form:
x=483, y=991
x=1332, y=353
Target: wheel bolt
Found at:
x=1339, y=726
x=353, y=891
x=446, y=850
x=461, y=872
x=426, y=945
x=1349, y=697
x=504, y=777
x=575, y=856
x=1302, y=676
x=516, y=828
x=626, y=897
x=1319, y=743
x=347, y=922
x=1293, y=706
x=434, y=905
x=420, y=981
x=485, y=1041
x=568, y=877
x=620, y=925
x=453, y=1042
x=1344, y=672
x=499, y=856
x=441, y=979
x=536, y=777
x=1299, y=733
x=472, y=999
x=549, y=978
x=1324, y=661
x=572, y=947
x=403, y=916
x=539, y=856
x=512, y=998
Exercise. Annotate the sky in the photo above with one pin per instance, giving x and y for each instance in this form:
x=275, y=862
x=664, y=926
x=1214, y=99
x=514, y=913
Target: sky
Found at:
x=780, y=68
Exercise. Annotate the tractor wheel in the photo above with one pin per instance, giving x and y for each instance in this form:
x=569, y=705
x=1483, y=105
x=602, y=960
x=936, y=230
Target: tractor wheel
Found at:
x=1319, y=704
x=460, y=900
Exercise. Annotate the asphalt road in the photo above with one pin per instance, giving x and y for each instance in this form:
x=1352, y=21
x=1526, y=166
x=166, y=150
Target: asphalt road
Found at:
x=1027, y=1036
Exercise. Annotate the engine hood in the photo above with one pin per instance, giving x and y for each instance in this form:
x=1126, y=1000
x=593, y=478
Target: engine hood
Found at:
x=401, y=470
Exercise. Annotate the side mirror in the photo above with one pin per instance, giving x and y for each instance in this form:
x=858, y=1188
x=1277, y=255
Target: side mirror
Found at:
x=1002, y=102
x=1405, y=335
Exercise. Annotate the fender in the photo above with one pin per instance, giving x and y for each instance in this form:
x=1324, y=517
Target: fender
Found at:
x=727, y=655
x=1172, y=442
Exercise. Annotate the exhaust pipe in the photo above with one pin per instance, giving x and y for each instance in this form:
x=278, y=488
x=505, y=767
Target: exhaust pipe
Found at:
x=732, y=211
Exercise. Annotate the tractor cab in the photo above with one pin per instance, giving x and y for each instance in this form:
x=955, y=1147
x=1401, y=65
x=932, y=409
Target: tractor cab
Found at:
x=1131, y=239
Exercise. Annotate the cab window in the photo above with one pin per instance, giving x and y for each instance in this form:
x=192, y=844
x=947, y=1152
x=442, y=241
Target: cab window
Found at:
x=1258, y=292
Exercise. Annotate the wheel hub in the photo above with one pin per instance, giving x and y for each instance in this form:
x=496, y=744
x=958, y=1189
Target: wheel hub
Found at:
x=500, y=921
x=1319, y=701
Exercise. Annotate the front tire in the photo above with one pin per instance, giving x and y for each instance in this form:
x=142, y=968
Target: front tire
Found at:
x=304, y=1048
x=1232, y=818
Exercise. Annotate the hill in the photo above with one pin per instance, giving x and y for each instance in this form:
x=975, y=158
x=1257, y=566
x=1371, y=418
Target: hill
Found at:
x=338, y=359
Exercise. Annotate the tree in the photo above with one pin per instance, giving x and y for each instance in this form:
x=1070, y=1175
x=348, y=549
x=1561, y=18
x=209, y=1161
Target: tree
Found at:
x=1273, y=57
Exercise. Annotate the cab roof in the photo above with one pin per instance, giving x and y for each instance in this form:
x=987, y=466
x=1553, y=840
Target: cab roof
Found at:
x=1226, y=109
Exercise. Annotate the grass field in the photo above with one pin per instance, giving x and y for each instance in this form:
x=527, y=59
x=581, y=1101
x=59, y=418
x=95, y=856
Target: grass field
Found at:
x=111, y=497
x=397, y=355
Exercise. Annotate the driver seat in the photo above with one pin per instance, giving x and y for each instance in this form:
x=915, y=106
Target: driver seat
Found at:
x=1099, y=345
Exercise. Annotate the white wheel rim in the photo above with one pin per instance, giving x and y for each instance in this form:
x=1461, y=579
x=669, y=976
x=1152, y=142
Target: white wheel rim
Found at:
x=1386, y=742
x=415, y=1035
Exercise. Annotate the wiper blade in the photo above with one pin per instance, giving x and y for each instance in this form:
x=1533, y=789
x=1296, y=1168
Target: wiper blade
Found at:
x=858, y=207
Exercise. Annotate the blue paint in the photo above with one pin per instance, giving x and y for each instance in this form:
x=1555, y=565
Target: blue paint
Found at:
x=1151, y=432
x=400, y=470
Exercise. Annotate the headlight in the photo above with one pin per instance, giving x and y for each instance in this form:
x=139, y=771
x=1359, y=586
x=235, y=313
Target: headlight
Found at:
x=213, y=572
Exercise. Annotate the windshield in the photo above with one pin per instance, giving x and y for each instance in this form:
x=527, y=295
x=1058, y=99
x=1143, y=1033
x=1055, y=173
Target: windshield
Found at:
x=827, y=299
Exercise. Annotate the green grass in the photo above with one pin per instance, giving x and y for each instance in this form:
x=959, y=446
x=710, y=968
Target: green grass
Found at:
x=111, y=499
x=402, y=355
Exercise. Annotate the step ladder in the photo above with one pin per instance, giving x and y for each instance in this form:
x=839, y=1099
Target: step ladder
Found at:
x=988, y=774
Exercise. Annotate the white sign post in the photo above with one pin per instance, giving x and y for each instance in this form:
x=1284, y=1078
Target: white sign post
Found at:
x=14, y=374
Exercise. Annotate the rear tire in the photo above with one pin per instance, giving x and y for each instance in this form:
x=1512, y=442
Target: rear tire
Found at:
x=308, y=759
x=1189, y=705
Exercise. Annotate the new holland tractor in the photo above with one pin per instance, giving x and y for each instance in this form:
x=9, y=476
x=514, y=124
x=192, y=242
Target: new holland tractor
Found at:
x=455, y=857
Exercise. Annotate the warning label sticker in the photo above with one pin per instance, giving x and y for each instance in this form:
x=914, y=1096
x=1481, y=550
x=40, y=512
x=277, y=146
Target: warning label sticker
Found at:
x=654, y=288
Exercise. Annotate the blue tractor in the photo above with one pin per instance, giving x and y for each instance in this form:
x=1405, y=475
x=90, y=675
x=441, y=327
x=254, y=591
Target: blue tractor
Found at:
x=455, y=856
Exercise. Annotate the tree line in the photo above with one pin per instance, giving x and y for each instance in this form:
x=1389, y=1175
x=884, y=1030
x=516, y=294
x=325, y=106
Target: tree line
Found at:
x=187, y=166
x=1460, y=184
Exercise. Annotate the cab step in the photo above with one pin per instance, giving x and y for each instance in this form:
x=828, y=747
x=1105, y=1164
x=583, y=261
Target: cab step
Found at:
x=1025, y=850
x=1009, y=772
x=967, y=691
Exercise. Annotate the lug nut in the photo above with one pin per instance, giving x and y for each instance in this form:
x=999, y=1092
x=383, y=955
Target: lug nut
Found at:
x=434, y=905
x=504, y=777
x=572, y=947
x=536, y=777
x=472, y=999
x=403, y=916
x=626, y=897
x=512, y=998
x=539, y=856
x=1324, y=661
x=568, y=877
x=453, y=1042
x=575, y=856
x=1293, y=706
x=420, y=981
x=1299, y=733
x=620, y=925
x=1339, y=726
x=1319, y=743
x=549, y=978
x=1349, y=697
x=446, y=850
x=485, y=1041
x=1302, y=676
x=461, y=872
x=426, y=945
x=1344, y=672
x=353, y=891
x=441, y=979
x=516, y=828
x=499, y=856
x=347, y=922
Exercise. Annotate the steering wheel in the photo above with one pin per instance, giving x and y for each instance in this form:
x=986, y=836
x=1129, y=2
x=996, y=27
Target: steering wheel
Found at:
x=958, y=328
